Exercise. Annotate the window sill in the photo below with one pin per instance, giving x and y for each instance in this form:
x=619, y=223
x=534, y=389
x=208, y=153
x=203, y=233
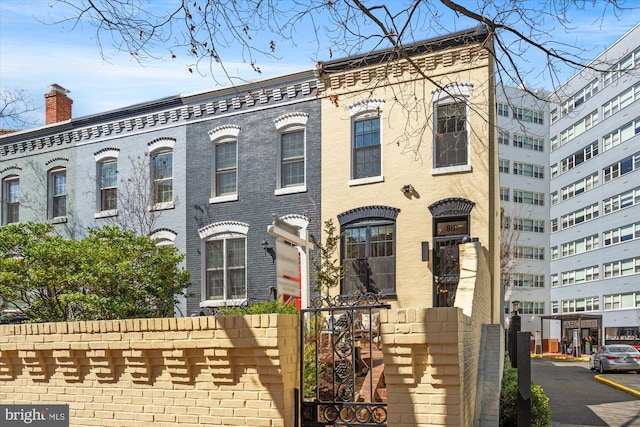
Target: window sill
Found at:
x=106, y=214
x=451, y=169
x=367, y=180
x=222, y=302
x=291, y=190
x=162, y=206
x=58, y=220
x=222, y=199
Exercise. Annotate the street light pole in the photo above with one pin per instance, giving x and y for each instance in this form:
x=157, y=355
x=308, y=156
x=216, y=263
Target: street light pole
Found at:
x=514, y=327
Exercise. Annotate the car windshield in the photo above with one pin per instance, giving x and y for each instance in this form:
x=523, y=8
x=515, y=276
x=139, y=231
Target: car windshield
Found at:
x=622, y=349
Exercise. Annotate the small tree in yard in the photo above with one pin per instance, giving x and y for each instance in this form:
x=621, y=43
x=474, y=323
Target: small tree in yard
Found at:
x=328, y=270
x=112, y=274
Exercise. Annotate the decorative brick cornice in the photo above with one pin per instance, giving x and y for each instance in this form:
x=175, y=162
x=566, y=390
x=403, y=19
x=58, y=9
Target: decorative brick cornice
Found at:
x=429, y=64
x=193, y=111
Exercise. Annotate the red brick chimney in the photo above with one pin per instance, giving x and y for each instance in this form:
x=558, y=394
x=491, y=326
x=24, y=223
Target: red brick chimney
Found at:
x=58, y=105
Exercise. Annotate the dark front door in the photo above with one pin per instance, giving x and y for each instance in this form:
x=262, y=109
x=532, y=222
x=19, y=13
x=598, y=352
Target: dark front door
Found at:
x=446, y=270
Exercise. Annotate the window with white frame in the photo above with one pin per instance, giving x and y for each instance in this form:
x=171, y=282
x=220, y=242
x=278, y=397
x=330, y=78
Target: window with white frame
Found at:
x=108, y=177
x=528, y=197
x=57, y=203
x=581, y=215
x=554, y=252
x=161, y=162
x=578, y=128
x=554, y=281
x=291, y=152
x=503, y=109
x=621, y=234
x=554, y=198
x=224, y=263
x=107, y=181
x=581, y=305
x=532, y=225
x=579, y=157
x=554, y=170
x=579, y=246
x=11, y=200
x=579, y=187
x=527, y=115
x=504, y=194
x=526, y=169
x=224, y=173
x=620, y=135
x=581, y=275
x=503, y=165
x=529, y=252
x=622, y=167
x=623, y=267
x=622, y=301
x=503, y=137
x=554, y=225
x=621, y=201
x=522, y=280
x=554, y=307
x=620, y=101
x=531, y=307
x=366, y=141
x=554, y=143
x=628, y=62
x=579, y=97
x=528, y=142
x=553, y=115
x=451, y=126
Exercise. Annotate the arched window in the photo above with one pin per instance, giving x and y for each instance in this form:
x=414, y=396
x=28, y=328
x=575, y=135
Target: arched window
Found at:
x=366, y=141
x=368, y=249
x=224, y=176
x=11, y=199
x=451, y=128
x=224, y=263
x=161, y=152
x=107, y=180
x=291, y=152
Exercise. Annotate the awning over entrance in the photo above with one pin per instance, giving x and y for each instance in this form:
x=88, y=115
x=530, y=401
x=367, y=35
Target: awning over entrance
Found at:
x=575, y=321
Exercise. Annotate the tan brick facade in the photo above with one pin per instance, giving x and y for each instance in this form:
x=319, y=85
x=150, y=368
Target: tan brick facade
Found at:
x=225, y=371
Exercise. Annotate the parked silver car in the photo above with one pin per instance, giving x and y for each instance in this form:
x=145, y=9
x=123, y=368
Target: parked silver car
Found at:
x=615, y=357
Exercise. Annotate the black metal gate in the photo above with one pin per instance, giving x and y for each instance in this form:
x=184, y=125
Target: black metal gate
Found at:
x=341, y=381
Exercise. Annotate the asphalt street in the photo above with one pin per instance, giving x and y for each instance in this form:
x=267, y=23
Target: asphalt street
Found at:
x=578, y=399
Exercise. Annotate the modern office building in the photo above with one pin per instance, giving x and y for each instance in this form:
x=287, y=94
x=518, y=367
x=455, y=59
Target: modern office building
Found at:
x=595, y=199
x=522, y=117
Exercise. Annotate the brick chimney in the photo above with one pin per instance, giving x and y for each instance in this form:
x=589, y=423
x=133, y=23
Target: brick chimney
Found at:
x=58, y=105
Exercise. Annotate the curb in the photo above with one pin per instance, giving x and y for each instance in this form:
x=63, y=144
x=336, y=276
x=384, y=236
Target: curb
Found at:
x=617, y=385
x=559, y=357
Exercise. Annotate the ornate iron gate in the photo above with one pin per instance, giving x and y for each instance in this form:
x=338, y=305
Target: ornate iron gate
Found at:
x=341, y=362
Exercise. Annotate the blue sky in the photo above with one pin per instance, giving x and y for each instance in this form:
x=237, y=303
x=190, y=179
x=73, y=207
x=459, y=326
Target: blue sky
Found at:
x=34, y=55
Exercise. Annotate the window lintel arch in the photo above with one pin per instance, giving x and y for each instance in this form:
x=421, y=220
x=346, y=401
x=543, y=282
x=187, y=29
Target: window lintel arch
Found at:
x=452, y=91
x=451, y=206
x=366, y=106
x=223, y=132
x=291, y=119
x=368, y=212
x=106, y=153
x=161, y=143
x=223, y=228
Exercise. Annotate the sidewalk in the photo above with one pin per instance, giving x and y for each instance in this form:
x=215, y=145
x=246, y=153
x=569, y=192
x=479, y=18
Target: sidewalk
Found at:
x=628, y=382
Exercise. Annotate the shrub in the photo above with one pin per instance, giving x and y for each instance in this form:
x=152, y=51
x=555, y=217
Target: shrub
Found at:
x=261, y=307
x=540, y=410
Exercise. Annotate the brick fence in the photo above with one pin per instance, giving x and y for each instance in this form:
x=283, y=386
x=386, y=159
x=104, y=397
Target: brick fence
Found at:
x=242, y=371
x=162, y=372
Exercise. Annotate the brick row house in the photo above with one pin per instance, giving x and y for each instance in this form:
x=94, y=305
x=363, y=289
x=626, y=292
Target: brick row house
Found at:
x=398, y=151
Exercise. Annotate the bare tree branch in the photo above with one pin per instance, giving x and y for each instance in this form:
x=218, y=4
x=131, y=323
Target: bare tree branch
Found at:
x=15, y=107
